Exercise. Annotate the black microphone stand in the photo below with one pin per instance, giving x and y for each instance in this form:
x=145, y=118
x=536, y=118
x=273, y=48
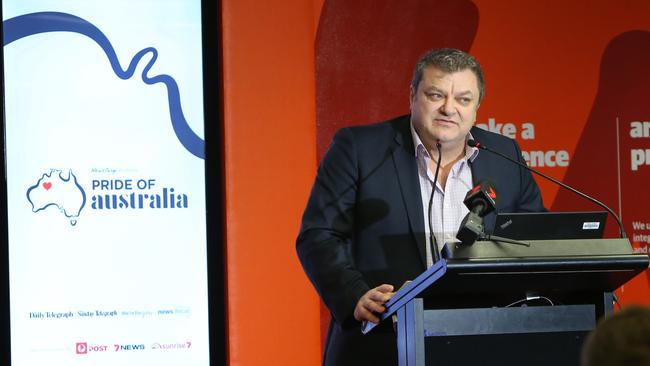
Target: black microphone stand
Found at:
x=433, y=245
x=472, y=143
x=500, y=239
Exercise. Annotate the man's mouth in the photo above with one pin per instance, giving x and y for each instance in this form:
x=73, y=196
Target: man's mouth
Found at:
x=444, y=121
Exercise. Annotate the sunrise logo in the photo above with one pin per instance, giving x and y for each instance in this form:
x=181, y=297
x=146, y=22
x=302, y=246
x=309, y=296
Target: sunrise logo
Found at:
x=59, y=190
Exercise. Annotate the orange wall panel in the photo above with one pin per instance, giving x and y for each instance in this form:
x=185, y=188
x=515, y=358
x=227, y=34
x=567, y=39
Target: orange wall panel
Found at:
x=270, y=162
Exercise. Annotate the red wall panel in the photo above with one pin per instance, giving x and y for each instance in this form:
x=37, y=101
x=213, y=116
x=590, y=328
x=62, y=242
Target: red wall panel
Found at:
x=295, y=71
x=542, y=63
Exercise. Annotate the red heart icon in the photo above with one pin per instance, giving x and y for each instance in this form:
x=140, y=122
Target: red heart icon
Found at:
x=47, y=186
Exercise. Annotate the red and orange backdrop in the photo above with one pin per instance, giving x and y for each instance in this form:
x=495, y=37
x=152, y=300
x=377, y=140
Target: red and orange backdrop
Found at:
x=568, y=80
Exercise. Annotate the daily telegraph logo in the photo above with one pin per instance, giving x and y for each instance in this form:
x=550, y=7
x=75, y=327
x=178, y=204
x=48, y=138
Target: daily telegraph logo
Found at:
x=64, y=192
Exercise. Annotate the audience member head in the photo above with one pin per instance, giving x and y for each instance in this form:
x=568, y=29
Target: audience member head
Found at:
x=620, y=339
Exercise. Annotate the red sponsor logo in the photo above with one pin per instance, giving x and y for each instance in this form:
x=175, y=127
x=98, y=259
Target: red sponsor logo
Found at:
x=475, y=189
x=492, y=193
x=81, y=348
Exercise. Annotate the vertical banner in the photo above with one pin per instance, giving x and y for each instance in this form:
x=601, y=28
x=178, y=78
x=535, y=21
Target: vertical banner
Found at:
x=105, y=182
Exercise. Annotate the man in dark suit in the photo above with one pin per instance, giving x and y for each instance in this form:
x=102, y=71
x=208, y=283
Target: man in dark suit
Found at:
x=365, y=230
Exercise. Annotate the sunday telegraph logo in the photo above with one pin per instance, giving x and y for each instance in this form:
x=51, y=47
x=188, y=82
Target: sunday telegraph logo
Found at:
x=61, y=190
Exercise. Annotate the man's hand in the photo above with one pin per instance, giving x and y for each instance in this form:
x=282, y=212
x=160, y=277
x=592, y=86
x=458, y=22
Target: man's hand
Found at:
x=372, y=302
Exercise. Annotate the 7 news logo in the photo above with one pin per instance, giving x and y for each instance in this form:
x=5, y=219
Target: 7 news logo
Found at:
x=129, y=347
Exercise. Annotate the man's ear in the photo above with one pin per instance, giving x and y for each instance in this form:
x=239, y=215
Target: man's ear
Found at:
x=411, y=95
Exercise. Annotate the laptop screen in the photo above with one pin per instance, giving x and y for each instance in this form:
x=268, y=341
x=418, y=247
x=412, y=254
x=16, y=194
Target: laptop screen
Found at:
x=550, y=225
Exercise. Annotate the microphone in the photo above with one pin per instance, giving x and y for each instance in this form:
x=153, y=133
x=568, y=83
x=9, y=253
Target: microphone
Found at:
x=473, y=143
x=480, y=200
x=433, y=246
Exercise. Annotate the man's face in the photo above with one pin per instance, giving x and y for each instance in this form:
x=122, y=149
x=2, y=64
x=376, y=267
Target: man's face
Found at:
x=444, y=106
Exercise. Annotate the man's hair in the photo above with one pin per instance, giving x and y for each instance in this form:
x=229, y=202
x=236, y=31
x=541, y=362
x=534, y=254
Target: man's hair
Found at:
x=620, y=339
x=448, y=60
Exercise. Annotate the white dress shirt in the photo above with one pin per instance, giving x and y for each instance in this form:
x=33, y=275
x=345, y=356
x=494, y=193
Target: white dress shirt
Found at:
x=448, y=209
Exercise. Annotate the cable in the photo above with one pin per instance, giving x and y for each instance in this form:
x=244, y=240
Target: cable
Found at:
x=531, y=298
x=435, y=256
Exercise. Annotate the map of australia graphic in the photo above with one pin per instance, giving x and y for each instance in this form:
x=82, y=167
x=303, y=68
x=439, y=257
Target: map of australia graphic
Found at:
x=63, y=192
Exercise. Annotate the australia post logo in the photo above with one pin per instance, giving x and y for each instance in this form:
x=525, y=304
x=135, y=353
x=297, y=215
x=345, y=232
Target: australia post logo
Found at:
x=119, y=194
x=60, y=190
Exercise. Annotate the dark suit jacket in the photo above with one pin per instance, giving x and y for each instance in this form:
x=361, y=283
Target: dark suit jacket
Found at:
x=363, y=225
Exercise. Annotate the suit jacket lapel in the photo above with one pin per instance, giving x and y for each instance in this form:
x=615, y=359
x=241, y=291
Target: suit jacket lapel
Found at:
x=479, y=171
x=407, y=174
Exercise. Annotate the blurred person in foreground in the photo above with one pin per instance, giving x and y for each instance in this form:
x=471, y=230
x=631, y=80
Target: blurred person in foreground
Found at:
x=620, y=339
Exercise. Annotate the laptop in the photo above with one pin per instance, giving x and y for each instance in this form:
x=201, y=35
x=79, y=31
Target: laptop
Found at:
x=550, y=225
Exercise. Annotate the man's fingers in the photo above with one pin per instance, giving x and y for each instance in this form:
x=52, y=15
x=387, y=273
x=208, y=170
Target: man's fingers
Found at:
x=374, y=306
x=364, y=314
x=372, y=303
x=381, y=294
x=379, y=297
x=384, y=288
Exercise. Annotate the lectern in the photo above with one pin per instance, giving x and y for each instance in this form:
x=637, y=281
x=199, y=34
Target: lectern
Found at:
x=504, y=304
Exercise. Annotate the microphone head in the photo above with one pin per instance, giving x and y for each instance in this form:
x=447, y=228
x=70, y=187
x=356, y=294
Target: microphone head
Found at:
x=473, y=143
x=483, y=197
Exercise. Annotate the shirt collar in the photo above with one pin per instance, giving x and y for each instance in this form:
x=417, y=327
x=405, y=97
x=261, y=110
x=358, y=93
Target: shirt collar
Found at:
x=470, y=153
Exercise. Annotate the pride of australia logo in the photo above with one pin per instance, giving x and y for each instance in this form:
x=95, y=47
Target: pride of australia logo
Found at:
x=60, y=190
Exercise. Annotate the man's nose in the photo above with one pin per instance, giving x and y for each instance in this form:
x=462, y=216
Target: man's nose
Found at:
x=447, y=108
